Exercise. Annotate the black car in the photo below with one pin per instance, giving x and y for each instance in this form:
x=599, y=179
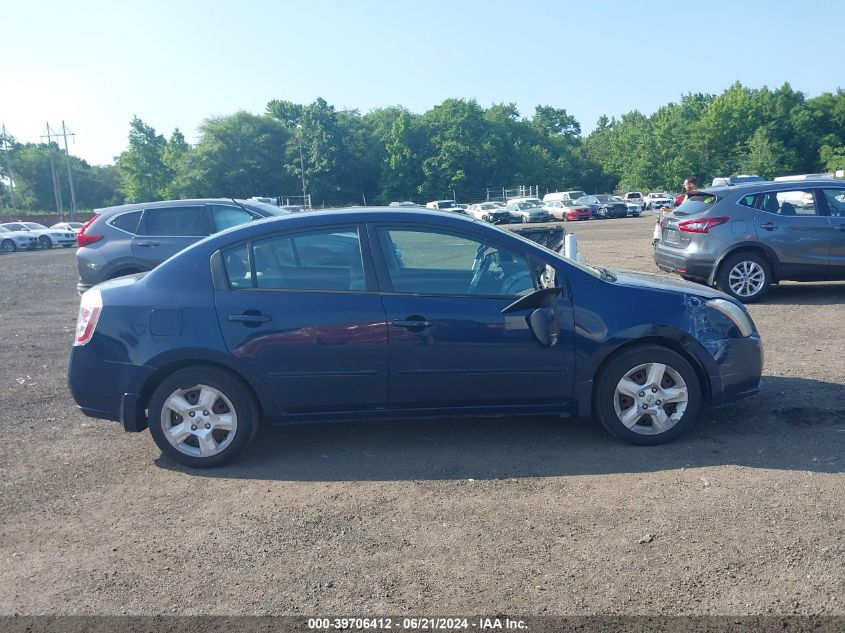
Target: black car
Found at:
x=605, y=206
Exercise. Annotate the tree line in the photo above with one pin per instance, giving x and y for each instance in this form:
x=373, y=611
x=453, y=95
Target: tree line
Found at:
x=456, y=148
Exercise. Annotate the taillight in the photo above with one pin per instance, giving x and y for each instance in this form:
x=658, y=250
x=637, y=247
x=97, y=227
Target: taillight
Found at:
x=84, y=240
x=700, y=226
x=89, y=312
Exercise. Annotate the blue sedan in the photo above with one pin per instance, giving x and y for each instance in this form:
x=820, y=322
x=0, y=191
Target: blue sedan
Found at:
x=381, y=313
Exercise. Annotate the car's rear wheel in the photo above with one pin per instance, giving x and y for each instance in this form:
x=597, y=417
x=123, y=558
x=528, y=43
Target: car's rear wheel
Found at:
x=745, y=276
x=647, y=395
x=8, y=246
x=202, y=416
x=45, y=242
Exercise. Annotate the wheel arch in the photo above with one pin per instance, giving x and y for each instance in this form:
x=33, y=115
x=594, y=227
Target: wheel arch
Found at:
x=586, y=409
x=748, y=247
x=167, y=366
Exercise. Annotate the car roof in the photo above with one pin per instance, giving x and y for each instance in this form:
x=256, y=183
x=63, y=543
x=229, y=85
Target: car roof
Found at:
x=770, y=185
x=167, y=203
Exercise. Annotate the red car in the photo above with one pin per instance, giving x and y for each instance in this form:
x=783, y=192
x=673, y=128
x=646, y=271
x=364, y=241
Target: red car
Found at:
x=568, y=210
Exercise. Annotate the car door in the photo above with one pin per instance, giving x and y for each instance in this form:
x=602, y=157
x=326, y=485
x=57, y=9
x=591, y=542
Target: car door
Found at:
x=790, y=223
x=164, y=231
x=450, y=344
x=834, y=200
x=301, y=310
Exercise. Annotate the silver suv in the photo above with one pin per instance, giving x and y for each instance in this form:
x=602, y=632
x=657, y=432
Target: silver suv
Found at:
x=745, y=238
x=135, y=238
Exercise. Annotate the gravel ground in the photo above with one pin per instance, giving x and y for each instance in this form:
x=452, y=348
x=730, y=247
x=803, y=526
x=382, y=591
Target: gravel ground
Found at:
x=743, y=515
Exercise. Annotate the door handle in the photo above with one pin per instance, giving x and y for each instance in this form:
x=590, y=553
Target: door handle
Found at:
x=413, y=324
x=768, y=226
x=255, y=317
x=147, y=244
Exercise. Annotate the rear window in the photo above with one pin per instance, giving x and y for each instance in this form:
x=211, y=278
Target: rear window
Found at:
x=697, y=203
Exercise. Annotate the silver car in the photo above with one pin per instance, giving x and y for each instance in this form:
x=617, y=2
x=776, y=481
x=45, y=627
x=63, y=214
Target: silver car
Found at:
x=528, y=211
x=136, y=238
x=11, y=241
x=744, y=238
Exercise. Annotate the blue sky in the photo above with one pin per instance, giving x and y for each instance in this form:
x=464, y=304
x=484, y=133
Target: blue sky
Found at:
x=95, y=64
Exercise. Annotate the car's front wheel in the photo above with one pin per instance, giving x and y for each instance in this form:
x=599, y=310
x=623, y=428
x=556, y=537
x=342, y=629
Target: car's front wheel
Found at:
x=745, y=276
x=202, y=416
x=8, y=246
x=45, y=242
x=647, y=395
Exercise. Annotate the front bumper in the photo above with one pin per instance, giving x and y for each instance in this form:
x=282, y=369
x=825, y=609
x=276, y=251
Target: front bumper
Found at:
x=739, y=364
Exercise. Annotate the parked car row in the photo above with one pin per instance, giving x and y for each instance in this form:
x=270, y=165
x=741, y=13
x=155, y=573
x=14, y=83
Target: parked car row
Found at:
x=32, y=235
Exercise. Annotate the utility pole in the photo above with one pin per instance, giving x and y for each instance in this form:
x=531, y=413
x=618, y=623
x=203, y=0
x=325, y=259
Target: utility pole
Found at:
x=6, y=146
x=302, y=168
x=56, y=193
x=69, y=174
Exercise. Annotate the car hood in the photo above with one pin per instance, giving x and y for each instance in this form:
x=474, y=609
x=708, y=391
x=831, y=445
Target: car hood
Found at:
x=654, y=281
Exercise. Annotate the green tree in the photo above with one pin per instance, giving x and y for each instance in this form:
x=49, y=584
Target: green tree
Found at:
x=145, y=173
x=239, y=155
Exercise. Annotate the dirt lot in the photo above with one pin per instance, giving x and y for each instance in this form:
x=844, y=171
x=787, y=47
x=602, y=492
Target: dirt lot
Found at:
x=531, y=516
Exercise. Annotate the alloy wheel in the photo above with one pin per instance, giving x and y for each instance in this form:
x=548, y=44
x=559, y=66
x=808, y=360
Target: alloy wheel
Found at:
x=746, y=279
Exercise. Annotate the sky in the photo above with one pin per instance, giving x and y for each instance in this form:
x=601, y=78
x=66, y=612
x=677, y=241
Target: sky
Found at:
x=96, y=64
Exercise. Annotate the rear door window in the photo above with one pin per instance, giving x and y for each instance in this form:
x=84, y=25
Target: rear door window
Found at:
x=793, y=203
x=326, y=259
x=187, y=221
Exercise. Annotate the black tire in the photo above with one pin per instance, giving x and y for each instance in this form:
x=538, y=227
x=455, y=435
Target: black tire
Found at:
x=231, y=387
x=735, y=263
x=8, y=246
x=604, y=404
x=45, y=242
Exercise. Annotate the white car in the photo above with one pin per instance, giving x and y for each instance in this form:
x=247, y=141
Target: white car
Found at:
x=10, y=241
x=47, y=238
x=68, y=226
x=658, y=200
x=635, y=197
x=493, y=212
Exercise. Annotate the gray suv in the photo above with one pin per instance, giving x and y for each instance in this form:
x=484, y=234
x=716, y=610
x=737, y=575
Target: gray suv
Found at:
x=745, y=238
x=135, y=238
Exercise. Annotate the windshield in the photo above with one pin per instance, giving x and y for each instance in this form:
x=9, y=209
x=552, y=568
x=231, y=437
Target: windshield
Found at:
x=270, y=209
x=527, y=205
x=577, y=194
x=75, y=225
x=34, y=226
x=604, y=198
x=450, y=204
x=488, y=205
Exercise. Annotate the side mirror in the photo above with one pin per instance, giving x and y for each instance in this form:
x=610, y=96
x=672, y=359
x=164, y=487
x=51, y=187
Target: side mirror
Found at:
x=544, y=320
x=545, y=325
